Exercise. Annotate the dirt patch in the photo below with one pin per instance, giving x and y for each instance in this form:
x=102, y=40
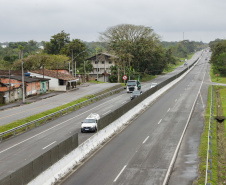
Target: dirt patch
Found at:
x=221, y=142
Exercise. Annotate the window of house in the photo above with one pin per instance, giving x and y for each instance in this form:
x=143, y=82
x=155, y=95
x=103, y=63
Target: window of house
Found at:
x=110, y=62
x=96, y=62
x=61, y=82
x=97, y=69
x=102, y=62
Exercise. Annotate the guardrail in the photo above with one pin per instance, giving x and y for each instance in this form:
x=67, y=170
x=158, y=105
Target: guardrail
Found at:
x=50, y=117
x=210, y=141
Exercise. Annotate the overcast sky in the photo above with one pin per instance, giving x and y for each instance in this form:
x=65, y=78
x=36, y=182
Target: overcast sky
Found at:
x=24, y=20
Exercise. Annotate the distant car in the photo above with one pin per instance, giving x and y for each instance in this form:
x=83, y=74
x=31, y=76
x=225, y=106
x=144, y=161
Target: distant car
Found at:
x=135, y=94
x=185, y=64
x=154, y=84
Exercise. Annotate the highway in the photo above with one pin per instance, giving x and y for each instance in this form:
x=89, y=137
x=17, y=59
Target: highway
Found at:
x=16, y=113
x=142, y=153
x=14, y=152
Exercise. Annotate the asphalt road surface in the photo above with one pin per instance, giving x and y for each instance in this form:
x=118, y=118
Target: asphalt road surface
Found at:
x=14, y=152
x=142, y=152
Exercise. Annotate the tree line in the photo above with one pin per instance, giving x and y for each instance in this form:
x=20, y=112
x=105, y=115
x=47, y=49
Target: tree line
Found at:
x=218, y=58
x=138, y=48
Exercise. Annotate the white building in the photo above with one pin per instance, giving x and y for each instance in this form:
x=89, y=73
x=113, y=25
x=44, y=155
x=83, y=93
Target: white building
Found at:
x=58, y=81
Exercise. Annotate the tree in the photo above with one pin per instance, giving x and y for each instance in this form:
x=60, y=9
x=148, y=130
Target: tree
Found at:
x=57, y=42
x=218, y=58
x=38, y=61
x=136, y=46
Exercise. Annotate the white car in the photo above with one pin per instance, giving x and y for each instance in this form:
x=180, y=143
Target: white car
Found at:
x=90, y=123
x=154, y=84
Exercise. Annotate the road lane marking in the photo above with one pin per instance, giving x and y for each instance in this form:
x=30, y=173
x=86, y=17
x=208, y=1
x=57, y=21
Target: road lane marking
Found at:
x=106, y=112
x=120, y=173
x=55, y=126
x=49, y=145
x=168, y=110
x=182, y=135
x=124, y=102
x=145, y=139
x=160, y=121
x=202, y=100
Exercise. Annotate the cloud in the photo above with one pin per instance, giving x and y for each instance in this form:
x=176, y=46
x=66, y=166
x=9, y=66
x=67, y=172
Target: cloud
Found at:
x=40, y=19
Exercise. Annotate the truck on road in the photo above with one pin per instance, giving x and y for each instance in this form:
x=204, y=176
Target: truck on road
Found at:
x=133, y=85
x=90, y=123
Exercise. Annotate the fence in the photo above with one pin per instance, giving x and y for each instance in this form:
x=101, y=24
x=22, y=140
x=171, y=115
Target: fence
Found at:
x=32, y=169
x=210, y=141
x=50, y=117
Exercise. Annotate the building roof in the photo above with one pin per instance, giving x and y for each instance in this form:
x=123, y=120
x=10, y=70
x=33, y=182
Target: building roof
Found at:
x=106, y=54
x=54, y=74
x=27, y=79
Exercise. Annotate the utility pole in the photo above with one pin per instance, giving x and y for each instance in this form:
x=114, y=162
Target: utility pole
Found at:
x=72, y=63
x=23, y=77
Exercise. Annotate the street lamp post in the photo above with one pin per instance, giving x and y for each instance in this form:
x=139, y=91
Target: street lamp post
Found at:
x=75, y=60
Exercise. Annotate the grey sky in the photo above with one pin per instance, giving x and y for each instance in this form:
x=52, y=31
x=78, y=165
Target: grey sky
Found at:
x=24, y=20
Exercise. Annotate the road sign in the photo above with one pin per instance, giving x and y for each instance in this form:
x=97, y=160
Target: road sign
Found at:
x=124, y=77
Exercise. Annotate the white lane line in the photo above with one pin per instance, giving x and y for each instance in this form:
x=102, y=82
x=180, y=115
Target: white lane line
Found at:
x=160, y=121
x=49, y=145
x=124, y=102
x=168, y=110
x=145, y=139
x=120, y=173
x=56, y=126
x=179, y=143
x=106, y=112
x=202, y=100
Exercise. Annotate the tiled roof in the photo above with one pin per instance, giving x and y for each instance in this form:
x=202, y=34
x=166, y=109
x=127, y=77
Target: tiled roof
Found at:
x=53, y=74
x=19, y=78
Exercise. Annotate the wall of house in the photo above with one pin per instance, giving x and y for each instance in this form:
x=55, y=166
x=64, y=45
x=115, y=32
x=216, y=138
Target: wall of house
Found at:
x=10, y=96
x=102, y=67
x=53, y=83
x=33, y=88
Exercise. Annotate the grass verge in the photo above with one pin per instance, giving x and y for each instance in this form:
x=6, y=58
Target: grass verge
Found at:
x=219, y=144
x=217, y=79
x=203, y=148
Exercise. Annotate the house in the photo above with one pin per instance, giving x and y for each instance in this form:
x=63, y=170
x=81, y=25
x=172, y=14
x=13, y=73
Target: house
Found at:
x=58, y=81
x=11, y=87
x=9, y=93
x=101, y=66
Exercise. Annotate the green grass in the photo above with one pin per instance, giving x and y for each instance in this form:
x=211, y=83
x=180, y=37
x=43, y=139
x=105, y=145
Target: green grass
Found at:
x=217, y=79
x=223, y=101
x=203, y=149
x=171, y=67
x=147, y=77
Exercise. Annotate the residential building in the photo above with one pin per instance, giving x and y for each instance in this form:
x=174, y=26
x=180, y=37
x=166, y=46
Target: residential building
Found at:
x=101, y=66
x=11, y=87
x=58, y=81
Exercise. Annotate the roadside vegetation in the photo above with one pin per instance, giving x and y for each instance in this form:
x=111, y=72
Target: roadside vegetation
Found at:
x=218, y=74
